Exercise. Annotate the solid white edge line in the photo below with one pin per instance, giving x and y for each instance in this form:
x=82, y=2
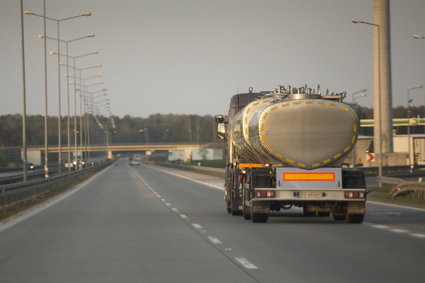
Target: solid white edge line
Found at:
x=421, y=236
x=32, y=212
x=246, y=263
x=399, y=230
x=395, y=205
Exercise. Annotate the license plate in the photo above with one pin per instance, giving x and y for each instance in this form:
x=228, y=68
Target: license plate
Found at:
x=311, y=195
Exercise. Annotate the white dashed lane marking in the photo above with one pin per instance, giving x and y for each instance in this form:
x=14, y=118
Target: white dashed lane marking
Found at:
x=215, y=240
x=197, y=226
x=246, y=263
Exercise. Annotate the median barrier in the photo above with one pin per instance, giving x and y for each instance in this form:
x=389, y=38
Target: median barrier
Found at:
x=14, y=193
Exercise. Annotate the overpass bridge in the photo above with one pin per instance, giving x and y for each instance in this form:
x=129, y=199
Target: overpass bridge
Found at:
x=111, y=148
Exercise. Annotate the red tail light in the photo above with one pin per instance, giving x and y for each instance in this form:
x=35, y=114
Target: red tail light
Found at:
x=265, y=194
x=354, y=195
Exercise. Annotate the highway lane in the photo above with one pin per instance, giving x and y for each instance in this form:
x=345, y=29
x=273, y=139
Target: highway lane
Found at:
x=141, y=224
x=114, y=229
x=298, y=249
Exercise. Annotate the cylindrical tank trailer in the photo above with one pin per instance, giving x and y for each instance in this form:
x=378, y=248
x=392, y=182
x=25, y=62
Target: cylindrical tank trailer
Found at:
x=301, y=130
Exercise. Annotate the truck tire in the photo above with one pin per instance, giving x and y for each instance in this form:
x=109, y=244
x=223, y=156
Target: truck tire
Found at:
x=228, y=206
x=246, y=210
x=234, y=207
x=246, y=213
x=246, y=199
x=259, y=217
x=354, y=218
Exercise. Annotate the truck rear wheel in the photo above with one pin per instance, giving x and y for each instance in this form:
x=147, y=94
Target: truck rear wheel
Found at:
x=234, y=207
x=228, y=206
x=246, y=213
x=258, y=217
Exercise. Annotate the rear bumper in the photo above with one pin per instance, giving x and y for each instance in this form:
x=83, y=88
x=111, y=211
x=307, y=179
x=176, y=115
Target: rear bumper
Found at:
x=313, y=195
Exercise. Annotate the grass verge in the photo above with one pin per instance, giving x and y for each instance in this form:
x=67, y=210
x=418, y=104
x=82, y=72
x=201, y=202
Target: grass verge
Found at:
x=416, y=199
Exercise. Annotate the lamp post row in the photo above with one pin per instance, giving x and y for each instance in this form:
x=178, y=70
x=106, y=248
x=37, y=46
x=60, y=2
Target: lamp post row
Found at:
x=379, y=117
x=59, y=40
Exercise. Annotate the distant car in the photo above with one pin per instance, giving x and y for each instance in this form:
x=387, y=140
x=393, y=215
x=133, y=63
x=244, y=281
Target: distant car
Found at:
x=30, y=166
x=135, y=162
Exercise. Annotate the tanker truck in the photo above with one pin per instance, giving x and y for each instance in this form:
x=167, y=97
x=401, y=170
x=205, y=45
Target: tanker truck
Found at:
x=285, y=149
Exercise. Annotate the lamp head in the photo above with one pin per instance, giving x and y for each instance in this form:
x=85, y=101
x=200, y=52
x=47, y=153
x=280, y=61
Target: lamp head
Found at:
x=90, y=35
x=28, y=12
x=41, y=35
x=356, y=21
x=86, y=13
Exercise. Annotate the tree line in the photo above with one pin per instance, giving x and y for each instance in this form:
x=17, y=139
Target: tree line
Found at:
x=156, y=128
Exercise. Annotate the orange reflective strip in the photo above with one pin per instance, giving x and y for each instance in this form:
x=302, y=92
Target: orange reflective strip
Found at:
x=314, y=176
x=250, y=165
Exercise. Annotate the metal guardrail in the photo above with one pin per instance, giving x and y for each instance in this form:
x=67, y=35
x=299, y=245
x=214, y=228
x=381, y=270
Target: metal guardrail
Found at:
x=12, y=193
x=401, y=186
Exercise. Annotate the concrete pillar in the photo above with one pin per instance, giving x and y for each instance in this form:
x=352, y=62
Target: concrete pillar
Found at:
x=382, y=86
x=109, y=154
x=187, y=155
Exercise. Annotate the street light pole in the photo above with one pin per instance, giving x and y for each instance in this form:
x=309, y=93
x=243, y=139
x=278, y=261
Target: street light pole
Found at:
x=418, y=36
x=46, y=149
x=24, y=97
x=409, y=100
x=360, y=93
x=378, y=118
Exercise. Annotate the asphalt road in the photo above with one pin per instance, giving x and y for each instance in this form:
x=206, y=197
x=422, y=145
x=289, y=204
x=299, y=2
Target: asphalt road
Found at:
x=143, y=224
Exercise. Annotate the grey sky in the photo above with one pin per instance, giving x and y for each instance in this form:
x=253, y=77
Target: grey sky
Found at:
x=190, y=56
